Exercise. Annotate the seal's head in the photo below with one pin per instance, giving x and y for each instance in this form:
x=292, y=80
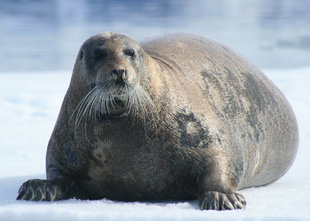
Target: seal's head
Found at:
x=114, y=67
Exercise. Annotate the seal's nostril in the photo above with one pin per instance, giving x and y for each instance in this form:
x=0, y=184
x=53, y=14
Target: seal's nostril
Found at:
x=114, y=74
x=118, y=74
x=123, y=74
x=121, y=71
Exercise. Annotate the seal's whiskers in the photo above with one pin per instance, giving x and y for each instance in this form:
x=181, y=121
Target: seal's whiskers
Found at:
x=104, y=99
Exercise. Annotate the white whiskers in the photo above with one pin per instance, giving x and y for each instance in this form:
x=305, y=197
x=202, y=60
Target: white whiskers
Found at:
x=104, y=99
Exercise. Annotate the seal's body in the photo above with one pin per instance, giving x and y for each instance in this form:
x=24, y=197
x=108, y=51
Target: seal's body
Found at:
x=176, y=118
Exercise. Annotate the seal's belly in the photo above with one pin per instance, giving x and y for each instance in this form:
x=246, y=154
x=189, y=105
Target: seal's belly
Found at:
x=143, y=176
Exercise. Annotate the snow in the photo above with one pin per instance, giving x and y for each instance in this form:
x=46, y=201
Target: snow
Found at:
x=29, y=107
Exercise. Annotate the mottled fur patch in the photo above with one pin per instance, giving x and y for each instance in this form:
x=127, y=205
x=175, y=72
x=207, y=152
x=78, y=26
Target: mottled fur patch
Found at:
x=192, y=133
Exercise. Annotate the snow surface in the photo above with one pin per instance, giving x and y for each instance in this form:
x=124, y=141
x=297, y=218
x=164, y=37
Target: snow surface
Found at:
x=29, y=106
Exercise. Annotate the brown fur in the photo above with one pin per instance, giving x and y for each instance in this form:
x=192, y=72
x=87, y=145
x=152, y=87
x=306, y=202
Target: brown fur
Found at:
x=195, y=120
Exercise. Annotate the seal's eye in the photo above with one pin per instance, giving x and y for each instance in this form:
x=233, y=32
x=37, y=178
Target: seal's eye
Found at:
x=98, y=53
x=81, y=55
x=130, y=52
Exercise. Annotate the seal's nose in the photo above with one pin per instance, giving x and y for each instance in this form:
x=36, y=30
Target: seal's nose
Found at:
x=119, y=74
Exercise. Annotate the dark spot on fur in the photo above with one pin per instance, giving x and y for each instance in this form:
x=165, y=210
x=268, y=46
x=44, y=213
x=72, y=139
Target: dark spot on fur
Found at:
x=257, y=107
x=253, y=91
x=231, y=90
x=197, y=138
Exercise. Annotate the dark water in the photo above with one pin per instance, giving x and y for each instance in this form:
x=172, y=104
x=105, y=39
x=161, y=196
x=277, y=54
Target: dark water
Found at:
x=38, y=35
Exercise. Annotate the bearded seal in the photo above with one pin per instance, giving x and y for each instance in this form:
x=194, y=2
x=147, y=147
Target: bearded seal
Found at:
x=178, y=117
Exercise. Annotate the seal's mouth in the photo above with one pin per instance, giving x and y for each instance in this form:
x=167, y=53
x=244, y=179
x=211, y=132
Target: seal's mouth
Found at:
x=119, y=102
x=119, y=106
x=113, y=97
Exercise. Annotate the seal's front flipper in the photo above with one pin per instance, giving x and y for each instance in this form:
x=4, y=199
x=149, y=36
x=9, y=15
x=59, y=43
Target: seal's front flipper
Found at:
x=42, y=190
x=213, y=200
x=218, y=185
